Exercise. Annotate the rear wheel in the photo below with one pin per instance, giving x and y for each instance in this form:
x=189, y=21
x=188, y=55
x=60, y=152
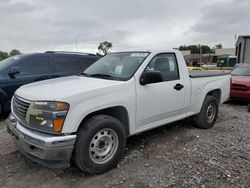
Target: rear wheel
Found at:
x=100, y=144
x=208, y=114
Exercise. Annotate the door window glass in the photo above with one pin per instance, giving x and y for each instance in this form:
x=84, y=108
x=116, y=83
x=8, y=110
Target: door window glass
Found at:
x=38, y=65
x=66, y=64
x=166, y=64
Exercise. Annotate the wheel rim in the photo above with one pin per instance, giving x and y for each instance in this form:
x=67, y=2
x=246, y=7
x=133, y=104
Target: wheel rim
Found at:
x=103, y=146
x=210, y=113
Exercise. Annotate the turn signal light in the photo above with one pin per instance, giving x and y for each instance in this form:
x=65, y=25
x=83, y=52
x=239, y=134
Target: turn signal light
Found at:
x=57, y=125
x=60, y=106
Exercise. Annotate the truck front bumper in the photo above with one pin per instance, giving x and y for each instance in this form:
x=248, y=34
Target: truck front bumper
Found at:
x=49, y=150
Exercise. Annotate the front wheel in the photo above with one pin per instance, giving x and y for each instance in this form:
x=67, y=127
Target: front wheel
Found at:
x=100, y=144
x=208, y=114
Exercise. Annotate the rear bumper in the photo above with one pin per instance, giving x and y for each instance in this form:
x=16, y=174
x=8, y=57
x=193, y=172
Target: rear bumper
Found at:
x=240, y=95
x=49, y=150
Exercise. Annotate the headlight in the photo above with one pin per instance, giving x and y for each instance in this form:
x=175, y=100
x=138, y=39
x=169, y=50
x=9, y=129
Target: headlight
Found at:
x=47, y=116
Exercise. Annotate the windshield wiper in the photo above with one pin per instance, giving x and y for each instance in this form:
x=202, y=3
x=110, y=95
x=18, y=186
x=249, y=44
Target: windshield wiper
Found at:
x=99, y=75
x=84, y=74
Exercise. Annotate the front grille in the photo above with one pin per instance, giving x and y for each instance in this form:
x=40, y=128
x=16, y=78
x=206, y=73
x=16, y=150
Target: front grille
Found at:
x=239, y=87
x=20, y=107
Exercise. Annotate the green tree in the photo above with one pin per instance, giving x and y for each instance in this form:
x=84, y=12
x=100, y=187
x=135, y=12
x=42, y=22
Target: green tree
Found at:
x=218, y=46
x=3, y=55
x=104, y=47
x=205, y=49
x=14, y=52
x=196, y=49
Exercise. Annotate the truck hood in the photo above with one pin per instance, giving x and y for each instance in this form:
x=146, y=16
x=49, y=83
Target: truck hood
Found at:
x=61, y=88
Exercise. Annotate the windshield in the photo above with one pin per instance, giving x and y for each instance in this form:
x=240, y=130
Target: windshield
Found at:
x=241, y=71
x=6, y=62
x=116, y=66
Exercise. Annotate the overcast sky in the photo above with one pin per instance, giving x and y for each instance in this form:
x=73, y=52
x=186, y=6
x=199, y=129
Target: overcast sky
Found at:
x=40, y=25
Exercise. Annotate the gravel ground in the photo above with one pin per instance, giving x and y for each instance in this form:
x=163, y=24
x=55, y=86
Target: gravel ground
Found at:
x=176, y=155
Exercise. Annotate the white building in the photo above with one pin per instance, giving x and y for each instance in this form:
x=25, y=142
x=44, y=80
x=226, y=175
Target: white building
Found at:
x=225, y=51
x=185, y=52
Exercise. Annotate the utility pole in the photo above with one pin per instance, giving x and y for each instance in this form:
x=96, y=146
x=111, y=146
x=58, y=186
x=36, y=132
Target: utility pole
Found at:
x=200, y=53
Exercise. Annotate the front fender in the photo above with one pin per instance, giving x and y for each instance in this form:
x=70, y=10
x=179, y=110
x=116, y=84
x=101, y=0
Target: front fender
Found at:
x=80, y=109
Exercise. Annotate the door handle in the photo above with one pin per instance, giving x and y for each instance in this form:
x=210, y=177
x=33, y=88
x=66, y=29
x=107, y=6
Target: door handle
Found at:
x=178, y=87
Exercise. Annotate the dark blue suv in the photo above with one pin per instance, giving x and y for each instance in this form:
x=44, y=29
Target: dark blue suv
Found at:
x=26, y=68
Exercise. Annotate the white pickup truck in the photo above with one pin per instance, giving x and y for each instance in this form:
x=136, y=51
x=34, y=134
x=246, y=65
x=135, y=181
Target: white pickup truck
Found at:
x=87, y=118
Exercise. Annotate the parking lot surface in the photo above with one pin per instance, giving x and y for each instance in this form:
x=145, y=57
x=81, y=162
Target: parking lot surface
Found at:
x=176, y=155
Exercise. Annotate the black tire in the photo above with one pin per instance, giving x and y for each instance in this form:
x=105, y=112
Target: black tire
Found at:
x=83, y=157
x=206, y=119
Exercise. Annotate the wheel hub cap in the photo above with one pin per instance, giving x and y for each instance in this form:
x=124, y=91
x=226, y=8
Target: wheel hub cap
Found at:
x=210, y=113
x=103, y=146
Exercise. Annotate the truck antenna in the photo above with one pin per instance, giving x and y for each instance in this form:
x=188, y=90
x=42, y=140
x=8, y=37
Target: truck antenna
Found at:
x=76, y=44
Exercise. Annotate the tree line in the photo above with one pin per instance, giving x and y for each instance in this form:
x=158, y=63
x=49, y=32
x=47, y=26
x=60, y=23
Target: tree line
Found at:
x=4, y=55
x=197, y=49
x=105, y=46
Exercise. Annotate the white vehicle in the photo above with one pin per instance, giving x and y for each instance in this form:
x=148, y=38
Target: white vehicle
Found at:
x=87, y=118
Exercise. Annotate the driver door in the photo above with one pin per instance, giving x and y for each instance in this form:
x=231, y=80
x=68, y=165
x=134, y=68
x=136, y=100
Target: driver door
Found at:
x=161, y=102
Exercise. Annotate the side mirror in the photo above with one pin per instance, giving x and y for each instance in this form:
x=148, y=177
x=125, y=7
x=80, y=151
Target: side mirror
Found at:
x=151, y=77
x=13, y=71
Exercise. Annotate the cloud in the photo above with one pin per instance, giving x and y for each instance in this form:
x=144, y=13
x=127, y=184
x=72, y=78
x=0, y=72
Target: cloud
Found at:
x=220, y=22
x=33, y=25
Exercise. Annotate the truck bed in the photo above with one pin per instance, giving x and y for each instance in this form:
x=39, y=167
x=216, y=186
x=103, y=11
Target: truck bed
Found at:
x=201, y=74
